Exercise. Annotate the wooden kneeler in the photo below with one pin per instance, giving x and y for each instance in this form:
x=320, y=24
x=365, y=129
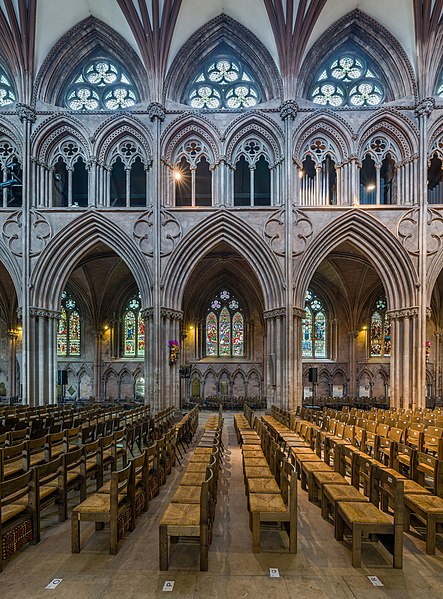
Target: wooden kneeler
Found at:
x=188, y=520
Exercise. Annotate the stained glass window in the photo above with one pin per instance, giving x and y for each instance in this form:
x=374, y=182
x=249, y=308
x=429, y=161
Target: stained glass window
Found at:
x=7, y=93
x=68, y=330
x=223, y=83
x=133, y=329
x=224, y=326
x=348, y=80
x=380, y=331
x=314, y=327
x=102, y=84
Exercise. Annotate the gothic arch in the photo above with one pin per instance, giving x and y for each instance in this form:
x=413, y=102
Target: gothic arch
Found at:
x=393, y=126
x=374, y=40
x=436, y=266
x=223, y=31
x=327, y=124
x=117, y=128
x=85, y=40
x=217, y=228
x=254, y=125
x=388, y=257
x=12, y=267
x=73, y=242
x=184, y=128
x=53, y=131
x=12, y=133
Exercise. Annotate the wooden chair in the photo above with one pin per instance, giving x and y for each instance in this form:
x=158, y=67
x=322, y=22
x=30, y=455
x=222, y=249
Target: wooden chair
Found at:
x=16, y=515
x=46, y=490
x=272, y=507
x=428, y=509
x=113, y=508
x=188, y=520
x=366, y=518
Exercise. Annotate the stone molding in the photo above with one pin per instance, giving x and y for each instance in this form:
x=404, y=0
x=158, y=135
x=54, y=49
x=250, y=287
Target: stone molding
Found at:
x=44, y=313
x=274, y=313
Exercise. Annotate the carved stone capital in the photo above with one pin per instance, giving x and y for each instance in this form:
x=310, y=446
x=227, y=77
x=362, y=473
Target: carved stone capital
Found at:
x=171, y=313
x=403, y=313
x=147, y=313
x=26, y=113
x=298, y=312
x=156, y=111
x=44, y=313
x=424, y=107
x=288, y=110
x=274, y=313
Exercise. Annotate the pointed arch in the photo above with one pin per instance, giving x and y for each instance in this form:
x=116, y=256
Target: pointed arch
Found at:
x=12, y=266
x=74, y=241
x=230, y=229
x=53, y=130
x=85, y=40
x=360, y=31
x=388, y=257
x=330, y=125
x=223, y=32
x=401, y=130
x=186, y=127
x=116, y=128
x=256, y=125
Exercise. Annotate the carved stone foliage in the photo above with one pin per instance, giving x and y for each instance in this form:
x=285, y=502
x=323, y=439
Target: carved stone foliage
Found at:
x=41, y=232
x=171, y=233
x=407, y=231
x=274, y=232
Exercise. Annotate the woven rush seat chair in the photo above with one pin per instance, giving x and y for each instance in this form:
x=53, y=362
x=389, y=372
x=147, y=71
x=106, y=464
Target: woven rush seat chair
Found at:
x=16, y=517
x=276, y=507
x=188, y=520
x=367, y=519
x=429, y=510
x=113, y=508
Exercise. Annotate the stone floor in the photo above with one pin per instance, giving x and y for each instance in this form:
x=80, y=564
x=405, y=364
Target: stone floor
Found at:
x=321, y=569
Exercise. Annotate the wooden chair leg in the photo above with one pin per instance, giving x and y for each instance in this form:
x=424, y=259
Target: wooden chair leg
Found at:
x=113, y=537
x=324, y=506
x=293, y=532
x=256, y=532
x=163, y=547
x=431, y=530
x=203, y=547
x=339, y=526
x=398, y=548
x=356, y=546
x=75, y=534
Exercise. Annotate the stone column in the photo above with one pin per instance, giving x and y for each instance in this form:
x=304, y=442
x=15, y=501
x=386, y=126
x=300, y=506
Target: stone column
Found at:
x=27, y=117
x=171, y=324
x=43, y=356
x=422, y=112
x=297, y=364
x=275, y=360
x=151, y=399
x=352, y=387
x=404, y=325
x=97, y=386
x=436, y=359
x=288, y=113
x=156, y=113
x=12, y=361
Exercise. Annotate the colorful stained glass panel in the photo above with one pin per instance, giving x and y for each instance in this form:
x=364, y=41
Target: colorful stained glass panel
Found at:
x=376, y=334
x=62, y=334
x=307, y=334
x=74, y=334
x=141, y=335
x=130, y=333
x=211, y=334
x=224, y=325
x=237, y=334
